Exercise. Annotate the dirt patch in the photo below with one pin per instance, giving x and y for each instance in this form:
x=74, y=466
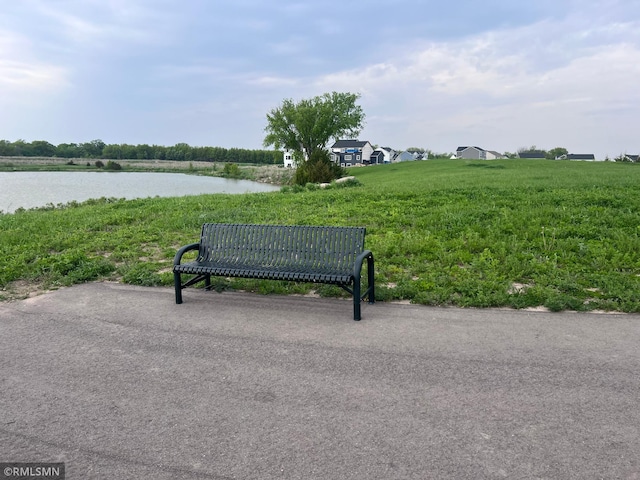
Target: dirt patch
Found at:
x=21, y=290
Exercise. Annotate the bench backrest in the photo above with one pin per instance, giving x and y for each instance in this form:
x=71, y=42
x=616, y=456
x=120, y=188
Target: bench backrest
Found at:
x=310, y=247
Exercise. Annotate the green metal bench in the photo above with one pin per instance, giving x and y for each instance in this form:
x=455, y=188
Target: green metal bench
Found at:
x=329, y=255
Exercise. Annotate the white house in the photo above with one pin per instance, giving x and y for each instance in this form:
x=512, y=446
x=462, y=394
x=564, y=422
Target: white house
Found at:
x=289, y=161
x=493, y=155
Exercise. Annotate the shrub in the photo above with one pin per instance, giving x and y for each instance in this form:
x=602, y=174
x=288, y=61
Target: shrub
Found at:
x=111, y=165
x=318, y=169
x=99, y=164
x=231, y=170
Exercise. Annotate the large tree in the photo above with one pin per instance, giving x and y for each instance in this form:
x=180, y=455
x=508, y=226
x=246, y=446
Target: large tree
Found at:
x=308, y=125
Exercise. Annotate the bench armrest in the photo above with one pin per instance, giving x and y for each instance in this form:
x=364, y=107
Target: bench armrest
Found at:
x=183, y=250
x=357, y=269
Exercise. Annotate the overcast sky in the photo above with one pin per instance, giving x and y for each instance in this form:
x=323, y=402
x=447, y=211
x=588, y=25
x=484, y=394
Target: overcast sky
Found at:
x=499, y=74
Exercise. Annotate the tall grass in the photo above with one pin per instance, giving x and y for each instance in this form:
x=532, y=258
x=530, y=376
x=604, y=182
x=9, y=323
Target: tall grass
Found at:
x=512, y=233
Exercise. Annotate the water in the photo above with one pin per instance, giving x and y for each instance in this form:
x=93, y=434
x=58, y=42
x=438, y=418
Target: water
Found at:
x=38, y=189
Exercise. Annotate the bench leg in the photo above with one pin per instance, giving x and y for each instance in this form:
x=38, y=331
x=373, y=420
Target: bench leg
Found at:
x=371, y=280
x=356, y=300
x=178, y=286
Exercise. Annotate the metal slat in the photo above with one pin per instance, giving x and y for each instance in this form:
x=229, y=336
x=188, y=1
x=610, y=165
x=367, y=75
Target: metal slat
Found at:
x=299, y=253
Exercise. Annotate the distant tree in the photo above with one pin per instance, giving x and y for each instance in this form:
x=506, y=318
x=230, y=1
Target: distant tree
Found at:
x=112, y=151
x=307, y=126
x=532, y=148
x=6, y=148
x=144, y=152
x=22, y=148
x=98, y=149
x=129, y=151
x=557, y=153
x=70, y=150
x=41, y=148
x=439, y=155
x=94, y=148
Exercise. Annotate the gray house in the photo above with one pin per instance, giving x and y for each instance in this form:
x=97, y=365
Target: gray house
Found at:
x=534, y=154
x=405, y=157
x=347, y=153
x=474, y=153
x=377, y=157
x=581, y=156
x=477, y=153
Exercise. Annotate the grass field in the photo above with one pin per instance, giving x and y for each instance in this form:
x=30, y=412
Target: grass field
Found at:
x=516, y=233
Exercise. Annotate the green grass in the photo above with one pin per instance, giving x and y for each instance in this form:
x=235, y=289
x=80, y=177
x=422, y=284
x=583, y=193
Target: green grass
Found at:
x=515, y=233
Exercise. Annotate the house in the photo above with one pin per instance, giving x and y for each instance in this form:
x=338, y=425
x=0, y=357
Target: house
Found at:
x=289, y=161
x=383, y=155
x=477, y=153
x=632, y=158
x=404, y=157
x=493, y=155
x=348, y=153
x=420, y=156
x=472, y=153
x=389, y=154
x=581, y=156
x=532, y=154
x=377, y=157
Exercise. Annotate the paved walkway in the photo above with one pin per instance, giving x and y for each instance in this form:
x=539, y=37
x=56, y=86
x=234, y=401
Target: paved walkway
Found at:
x=119, y=382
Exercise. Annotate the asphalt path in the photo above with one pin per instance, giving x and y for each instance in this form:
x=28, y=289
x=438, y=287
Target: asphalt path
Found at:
x=119, y=382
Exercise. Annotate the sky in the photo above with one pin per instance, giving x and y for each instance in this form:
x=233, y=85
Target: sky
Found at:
x=498, y=74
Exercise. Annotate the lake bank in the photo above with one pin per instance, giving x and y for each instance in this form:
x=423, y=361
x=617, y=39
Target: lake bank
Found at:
x=273, y=174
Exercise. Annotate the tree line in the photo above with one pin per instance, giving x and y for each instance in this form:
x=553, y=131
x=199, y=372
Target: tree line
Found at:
x=100, y=150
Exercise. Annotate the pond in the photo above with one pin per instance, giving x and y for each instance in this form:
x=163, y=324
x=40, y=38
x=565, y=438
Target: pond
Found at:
x=38, y=189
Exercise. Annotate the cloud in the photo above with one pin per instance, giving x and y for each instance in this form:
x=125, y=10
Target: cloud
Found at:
x=105, y=24
x=505, y=88
x=500, y=74
x=272, y=81
x=22, y=73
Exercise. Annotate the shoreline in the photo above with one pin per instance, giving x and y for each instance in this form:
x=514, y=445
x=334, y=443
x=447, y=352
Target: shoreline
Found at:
x=271, y=174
